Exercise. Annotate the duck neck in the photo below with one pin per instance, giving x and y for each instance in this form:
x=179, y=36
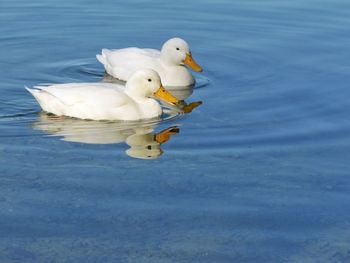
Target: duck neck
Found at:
x=166, y=59
x=134, y=92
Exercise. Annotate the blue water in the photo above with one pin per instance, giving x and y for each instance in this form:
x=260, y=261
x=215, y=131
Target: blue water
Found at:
x=258, y=173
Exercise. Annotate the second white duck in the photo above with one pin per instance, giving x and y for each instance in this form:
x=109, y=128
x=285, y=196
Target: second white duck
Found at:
x=169, y=62
x=106, y=101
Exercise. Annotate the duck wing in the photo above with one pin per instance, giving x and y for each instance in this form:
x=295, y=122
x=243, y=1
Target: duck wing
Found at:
x=93, y=94
x=122, y=63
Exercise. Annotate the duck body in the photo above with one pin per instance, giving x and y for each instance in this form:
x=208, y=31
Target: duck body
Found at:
x=169, y=62
x=103, y=101
x=122, y=63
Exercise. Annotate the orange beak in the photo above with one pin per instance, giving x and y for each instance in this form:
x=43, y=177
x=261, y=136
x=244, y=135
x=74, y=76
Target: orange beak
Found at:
x=189, y=61
x=166, y=96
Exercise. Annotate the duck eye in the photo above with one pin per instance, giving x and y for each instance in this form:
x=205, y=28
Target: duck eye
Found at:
x=149, y=80
x=177, y=48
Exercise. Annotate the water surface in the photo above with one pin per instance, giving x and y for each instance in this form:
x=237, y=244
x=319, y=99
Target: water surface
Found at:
x=258, y=173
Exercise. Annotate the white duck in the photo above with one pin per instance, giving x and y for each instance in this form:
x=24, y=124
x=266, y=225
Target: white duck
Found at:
x=169, y=62
x=106, y=101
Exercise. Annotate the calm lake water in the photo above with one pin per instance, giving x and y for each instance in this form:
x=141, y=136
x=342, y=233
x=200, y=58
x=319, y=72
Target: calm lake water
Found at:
x=258, y=173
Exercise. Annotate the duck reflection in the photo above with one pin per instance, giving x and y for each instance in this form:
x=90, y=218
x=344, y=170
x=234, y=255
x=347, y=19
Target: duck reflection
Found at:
x=181, y=93
x=182, y=105
x=143, y=141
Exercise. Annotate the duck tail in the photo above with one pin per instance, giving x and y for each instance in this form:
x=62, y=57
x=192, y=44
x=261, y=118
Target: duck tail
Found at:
x=32, y=91
x=103, y=56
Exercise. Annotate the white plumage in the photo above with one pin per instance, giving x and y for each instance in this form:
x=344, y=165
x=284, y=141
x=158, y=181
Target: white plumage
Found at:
x=169, y=62
x=104, y=101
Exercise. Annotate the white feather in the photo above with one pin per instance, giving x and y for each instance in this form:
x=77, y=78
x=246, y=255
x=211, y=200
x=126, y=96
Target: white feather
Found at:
x=122, y=63
x=101, y=101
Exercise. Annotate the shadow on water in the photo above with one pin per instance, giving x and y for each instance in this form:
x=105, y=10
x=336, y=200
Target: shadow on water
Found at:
x=141, y=137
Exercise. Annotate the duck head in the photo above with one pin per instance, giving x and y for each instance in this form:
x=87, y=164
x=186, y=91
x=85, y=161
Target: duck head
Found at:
x=176, y=51
x=146, y=84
